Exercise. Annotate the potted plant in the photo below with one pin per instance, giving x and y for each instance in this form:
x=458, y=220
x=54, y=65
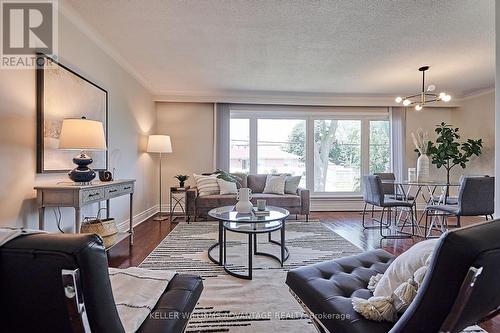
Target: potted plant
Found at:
x=447, y=152
x=181, y=179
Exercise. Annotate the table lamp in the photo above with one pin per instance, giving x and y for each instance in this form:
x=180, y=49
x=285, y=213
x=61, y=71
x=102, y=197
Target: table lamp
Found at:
x=82, y=134
x=159, y=144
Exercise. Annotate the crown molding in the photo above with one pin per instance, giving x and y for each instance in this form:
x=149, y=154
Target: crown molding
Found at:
x=283, y=98
x=74, y=17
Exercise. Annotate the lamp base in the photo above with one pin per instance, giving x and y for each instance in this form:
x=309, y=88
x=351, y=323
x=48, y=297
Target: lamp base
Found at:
x=82, y=173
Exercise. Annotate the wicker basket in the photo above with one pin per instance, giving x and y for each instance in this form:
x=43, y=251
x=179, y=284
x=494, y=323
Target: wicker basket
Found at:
x=106, y=228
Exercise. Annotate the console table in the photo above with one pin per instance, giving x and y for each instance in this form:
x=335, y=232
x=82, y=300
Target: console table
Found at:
x=67, y=194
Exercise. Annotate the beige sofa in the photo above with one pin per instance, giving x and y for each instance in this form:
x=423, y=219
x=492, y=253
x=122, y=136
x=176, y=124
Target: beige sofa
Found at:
x=198, y=207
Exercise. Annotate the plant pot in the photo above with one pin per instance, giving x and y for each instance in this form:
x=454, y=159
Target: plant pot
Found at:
x=423, y=168
x=181, y=184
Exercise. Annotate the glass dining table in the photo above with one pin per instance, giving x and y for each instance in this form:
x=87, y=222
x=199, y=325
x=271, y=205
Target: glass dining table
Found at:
x=429, y=192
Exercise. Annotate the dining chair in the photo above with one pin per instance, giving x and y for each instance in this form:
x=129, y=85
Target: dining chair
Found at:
x=475, y=198
x=373, y=194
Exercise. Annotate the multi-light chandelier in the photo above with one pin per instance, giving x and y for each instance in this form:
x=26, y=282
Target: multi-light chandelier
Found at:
x=424, y=97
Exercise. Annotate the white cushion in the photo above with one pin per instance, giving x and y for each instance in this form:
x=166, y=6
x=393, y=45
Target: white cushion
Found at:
x=226, y=187
x=275, y=184
x=206, y=185
x=404, y=266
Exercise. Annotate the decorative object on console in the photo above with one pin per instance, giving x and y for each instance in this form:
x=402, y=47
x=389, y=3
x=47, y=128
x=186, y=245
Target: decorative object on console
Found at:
x=182, y=179
x=425, y=96
x=421, y=146
x=105, y=176
x=159, y=144
x=82, y=134
x=244, y=205
x=63, y=94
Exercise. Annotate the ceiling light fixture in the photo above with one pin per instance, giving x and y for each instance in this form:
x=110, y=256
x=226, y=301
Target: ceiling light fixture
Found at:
x=425, y=96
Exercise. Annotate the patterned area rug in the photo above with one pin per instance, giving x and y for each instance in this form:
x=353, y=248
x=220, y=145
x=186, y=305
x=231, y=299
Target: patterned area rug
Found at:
x=263, y=304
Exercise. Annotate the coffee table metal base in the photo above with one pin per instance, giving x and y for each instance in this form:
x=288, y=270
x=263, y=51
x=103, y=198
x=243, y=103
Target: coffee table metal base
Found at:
x=252, y=248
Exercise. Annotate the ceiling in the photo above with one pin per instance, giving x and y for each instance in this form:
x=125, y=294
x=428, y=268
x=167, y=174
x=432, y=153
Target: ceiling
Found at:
x=195, y=47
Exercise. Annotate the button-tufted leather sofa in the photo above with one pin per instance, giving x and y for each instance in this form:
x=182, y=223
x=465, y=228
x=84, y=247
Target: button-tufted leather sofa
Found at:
x=326, y=289
x=32, y=297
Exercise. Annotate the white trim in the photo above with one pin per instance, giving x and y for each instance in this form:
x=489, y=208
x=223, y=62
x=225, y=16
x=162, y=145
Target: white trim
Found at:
x=75, y=18
x=284, y=98
x=138, y=218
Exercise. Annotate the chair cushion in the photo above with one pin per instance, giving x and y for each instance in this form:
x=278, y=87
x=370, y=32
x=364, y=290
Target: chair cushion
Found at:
x=451, y=209
x=171, y=312
x=397, y=203
x=327, y=289
x=280, y=200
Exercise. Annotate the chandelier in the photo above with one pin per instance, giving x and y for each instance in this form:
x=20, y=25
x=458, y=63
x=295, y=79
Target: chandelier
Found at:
x=425, y=96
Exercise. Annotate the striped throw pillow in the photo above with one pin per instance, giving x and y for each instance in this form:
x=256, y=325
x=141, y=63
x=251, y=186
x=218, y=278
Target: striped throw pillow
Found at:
x=206, y=185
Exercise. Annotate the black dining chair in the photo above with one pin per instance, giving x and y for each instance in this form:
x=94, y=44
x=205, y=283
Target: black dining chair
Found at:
x=373, y=194
x=475, y=198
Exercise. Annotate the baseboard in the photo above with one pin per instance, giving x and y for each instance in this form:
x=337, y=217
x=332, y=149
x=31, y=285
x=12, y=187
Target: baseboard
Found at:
x=138, y=218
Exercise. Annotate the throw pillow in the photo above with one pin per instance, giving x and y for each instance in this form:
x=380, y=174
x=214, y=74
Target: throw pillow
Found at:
x=206, y=185
x=275, y=184
x=292, y=184
x=404, y=266
x=226, y=187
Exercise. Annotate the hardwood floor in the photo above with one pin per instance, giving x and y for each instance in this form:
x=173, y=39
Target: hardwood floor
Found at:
x=347, y=224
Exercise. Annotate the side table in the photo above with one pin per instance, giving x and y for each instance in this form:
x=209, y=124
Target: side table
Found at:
x=178, y=200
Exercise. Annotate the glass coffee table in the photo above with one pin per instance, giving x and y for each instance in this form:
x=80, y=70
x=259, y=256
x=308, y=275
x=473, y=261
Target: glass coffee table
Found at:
x=251, y=225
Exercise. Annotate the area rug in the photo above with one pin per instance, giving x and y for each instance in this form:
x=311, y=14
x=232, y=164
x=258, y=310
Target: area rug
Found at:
x=263, y=304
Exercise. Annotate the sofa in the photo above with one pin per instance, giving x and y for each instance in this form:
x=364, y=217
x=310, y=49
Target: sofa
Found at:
x=198, y=207
x=34, y=290
x=459, y=290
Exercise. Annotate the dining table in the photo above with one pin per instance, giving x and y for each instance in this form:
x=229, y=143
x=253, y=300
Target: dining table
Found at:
x=429, y=192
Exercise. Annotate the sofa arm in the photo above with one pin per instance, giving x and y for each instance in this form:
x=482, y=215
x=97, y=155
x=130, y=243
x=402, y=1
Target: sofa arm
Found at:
x=191, y=195
x=305, y=200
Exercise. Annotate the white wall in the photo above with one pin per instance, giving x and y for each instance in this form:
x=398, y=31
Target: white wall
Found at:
x=497, y=110
x=131, y=117
x=191, y=130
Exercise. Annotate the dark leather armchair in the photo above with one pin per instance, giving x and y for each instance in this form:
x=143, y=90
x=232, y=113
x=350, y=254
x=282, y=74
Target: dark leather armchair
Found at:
x=451, y=297
x=36, y=285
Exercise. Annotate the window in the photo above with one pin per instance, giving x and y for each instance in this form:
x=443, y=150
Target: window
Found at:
x=380, y=147
x=239, y=149
x=330, y=150
x=281, y=147
x=337, y=155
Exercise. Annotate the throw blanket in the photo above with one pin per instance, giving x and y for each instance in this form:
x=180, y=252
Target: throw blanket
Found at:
x=136, y=291
x=8, y=234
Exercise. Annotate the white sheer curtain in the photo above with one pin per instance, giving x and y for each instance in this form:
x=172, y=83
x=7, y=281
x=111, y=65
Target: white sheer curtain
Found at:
x=398, y=141
x=221, y=135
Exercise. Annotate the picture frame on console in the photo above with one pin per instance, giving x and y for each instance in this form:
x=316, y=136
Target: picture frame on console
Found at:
x=62, y=93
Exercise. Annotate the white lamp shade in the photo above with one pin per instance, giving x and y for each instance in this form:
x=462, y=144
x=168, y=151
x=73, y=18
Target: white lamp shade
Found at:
x=82, y=134
x=159, y=144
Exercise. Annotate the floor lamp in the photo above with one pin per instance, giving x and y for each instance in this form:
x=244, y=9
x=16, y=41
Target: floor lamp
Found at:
x=159, y=144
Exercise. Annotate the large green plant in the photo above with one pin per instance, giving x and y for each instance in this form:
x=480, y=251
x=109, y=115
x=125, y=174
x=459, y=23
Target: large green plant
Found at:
x=448, y=152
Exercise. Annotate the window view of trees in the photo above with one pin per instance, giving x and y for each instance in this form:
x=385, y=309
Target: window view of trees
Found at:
x=380, y=149
x=335, y=159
